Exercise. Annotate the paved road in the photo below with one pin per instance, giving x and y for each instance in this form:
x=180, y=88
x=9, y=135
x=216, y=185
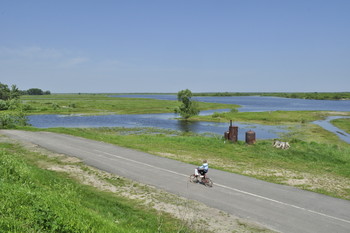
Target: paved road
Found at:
x=278, y=207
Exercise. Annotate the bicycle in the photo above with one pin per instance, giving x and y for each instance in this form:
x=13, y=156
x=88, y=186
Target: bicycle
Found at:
x=203, y=179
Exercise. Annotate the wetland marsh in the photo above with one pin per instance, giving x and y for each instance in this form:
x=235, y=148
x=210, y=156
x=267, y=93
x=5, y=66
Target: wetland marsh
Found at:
x=317, y=161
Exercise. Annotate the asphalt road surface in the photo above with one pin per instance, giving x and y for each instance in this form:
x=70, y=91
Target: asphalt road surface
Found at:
x=278, y=207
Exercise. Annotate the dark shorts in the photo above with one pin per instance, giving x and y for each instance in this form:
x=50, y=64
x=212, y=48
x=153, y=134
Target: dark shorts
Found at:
x=202, y=171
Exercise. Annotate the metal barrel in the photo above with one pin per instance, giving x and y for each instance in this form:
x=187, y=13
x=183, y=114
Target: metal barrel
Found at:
x=250, y=137
x=233, y=133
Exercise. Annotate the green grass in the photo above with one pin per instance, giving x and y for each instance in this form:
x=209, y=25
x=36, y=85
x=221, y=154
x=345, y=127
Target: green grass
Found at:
x=273, y=117
x=343, y=124
x=316, y=159
x=37, y=200
x=102, y=104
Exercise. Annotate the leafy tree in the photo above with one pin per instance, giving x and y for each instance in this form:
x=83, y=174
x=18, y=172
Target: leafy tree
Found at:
x=35, y=91
x=3, y=105
x=7, y=94
x=4, y=92
x=188, y=107
x=14, y=93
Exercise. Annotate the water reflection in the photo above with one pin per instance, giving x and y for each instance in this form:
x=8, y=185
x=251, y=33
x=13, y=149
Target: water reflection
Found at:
x=186, y=126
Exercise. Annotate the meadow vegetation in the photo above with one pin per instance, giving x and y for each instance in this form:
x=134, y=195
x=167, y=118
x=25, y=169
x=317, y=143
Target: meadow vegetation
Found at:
x=39, y=200
x=343, y=124
x=269, y=118
x=95, y=104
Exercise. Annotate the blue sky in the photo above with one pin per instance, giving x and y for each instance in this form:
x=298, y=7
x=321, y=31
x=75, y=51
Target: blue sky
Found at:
x=167, y=46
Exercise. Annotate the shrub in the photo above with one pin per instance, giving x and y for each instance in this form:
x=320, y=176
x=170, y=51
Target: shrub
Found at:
x=14, y=104
x=215, y=115
x=3, y=105
x=55, y=106
x=72, y=105
x=27, y=107
x=12, y=119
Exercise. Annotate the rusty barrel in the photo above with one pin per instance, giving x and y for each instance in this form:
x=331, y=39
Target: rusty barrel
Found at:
x=250, y=137
x=233, y=133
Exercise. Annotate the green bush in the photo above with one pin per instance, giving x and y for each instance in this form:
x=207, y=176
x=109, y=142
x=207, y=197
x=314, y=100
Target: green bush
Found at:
x=55, y=106
x=12, y=119
x=72, y=105
x=215, y=115
x=14, y=104
x=27, y=107
x=3, y=105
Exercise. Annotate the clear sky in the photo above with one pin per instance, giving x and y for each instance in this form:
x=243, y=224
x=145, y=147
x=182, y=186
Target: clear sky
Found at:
x=170, y=45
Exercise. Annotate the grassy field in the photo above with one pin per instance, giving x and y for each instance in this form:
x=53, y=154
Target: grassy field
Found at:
x=95, y=104
x=270, y=118
x=39, y=200
x=343, y=124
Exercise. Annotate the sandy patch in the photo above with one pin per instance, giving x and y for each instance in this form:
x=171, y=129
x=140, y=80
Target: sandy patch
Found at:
x=329, y=183
x=338, y=113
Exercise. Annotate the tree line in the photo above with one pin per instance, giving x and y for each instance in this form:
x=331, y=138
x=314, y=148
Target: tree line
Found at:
x=9, y=93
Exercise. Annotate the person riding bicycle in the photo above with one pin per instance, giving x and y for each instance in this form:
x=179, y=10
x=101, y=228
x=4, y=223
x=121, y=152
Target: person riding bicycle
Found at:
x=202, y=169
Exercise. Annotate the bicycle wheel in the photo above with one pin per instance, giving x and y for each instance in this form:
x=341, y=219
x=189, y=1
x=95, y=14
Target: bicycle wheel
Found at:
x=208, y=182
x=193, y=178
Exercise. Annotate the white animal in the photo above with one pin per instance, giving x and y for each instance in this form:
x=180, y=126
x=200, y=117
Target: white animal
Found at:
x=280, y=144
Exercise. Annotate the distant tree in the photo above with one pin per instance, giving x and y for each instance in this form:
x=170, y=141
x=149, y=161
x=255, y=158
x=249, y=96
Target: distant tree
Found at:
x=35, y=91
x=188, y=107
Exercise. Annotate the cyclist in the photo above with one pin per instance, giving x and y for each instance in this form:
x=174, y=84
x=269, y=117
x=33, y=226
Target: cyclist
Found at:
x=202, y=169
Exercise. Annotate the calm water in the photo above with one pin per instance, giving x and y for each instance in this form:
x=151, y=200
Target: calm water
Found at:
x=263, y=103
x=167, y=121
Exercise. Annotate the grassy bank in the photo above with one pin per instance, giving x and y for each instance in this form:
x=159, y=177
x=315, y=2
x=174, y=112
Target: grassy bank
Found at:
x=343, y=124
x=102, y=104
x=317, y=166
x=270, y=118
x=38, y=200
